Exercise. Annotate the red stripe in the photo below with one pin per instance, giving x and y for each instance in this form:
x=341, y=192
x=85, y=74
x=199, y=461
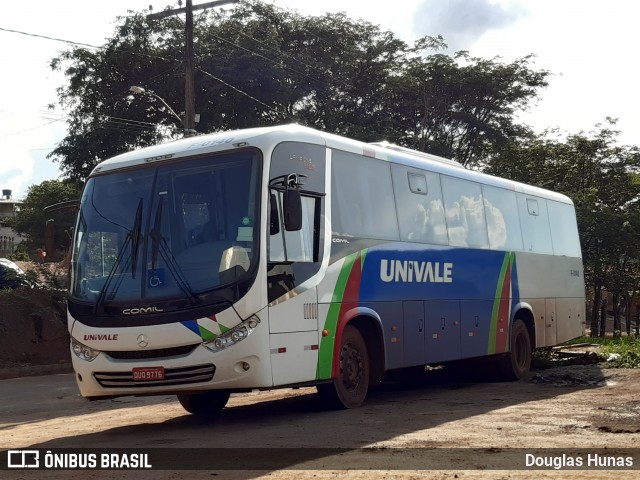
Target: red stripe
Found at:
x=349, y=300
x=503, y=313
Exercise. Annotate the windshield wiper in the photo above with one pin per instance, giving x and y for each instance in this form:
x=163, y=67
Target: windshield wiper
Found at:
x=156, y=234
x=159, y=244
x=133, y=239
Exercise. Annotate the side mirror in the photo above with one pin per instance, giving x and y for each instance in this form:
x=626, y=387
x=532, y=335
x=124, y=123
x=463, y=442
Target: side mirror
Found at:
x=292, y=205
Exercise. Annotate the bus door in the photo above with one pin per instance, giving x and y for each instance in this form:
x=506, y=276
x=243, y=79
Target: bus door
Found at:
x=294, y=261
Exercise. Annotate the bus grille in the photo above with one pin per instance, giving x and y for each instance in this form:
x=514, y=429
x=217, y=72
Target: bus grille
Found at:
x=172, y=376
x=157, y=353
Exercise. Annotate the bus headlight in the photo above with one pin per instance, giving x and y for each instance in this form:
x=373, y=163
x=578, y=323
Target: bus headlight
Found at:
x=82, y=351
x=233, y=336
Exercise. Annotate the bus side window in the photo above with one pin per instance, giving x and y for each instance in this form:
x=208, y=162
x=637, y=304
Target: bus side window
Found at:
x=564, y=229
x=297, y=245
x=300, y=243
x=419, y=205
x=276, y=243
x=464, y=211
x=362, y=197
x=536, y=233
x=503, y=222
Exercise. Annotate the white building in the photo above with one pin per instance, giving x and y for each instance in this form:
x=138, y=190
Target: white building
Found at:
x=9, y=239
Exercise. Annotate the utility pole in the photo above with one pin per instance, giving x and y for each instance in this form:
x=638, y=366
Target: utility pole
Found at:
x=189, y=94
x=188, y=121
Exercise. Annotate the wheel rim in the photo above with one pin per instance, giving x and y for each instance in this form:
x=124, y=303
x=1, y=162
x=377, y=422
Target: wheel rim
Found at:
x=351, y=367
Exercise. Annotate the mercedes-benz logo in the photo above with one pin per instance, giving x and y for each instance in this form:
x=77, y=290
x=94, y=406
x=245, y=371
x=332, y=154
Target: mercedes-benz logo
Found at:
x=143, y=340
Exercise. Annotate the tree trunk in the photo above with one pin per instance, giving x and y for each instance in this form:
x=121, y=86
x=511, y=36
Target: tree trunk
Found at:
x=616, y=314
x=603, y=318
x=595, y=311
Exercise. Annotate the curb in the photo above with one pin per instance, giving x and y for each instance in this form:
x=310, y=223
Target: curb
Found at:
x=34, y=370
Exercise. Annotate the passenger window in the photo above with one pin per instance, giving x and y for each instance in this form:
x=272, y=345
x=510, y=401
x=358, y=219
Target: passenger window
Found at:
x=362, y=197
x=420, y=207
x=503, y=222
x=464, y=213
x=564, y=229
x=297, y=245
x=276, y=243
x=536, y=235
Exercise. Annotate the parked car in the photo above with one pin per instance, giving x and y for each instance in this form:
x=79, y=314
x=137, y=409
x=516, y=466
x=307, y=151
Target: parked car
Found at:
x=12, y=276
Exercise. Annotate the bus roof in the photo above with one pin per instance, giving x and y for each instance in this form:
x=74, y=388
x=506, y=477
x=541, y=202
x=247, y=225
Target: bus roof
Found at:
x=270, y=136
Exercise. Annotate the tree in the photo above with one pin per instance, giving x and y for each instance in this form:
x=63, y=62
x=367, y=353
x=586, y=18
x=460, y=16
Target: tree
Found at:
x=602, y=179
x=32, y=219
x=259, y=65
x=464, y=107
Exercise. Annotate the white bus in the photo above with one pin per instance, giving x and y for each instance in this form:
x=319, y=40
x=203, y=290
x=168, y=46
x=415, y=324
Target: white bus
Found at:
x=285, y=256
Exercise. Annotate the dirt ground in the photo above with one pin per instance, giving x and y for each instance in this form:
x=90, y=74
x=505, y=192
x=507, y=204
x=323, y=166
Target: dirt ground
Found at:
x=463, y=422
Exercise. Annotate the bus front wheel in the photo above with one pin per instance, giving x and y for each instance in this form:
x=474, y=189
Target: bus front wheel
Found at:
x=516, y=364
x=204, y=403
x=350, y=388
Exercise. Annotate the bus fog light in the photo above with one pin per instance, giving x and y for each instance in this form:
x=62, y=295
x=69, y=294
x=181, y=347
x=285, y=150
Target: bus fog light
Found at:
x=234, y=335
x=83, y=352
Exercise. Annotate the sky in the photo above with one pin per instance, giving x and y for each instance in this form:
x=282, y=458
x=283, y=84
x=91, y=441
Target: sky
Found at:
x=588, y=45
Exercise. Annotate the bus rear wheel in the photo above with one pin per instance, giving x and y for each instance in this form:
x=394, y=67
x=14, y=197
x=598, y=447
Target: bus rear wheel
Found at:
x=204, y=403
x=350, y=389
x=516, y=364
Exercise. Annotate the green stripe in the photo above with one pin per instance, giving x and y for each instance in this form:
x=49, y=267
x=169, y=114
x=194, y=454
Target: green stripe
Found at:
x=496, y=304
x=325, y=355
x=205, y=334
x=345, y=272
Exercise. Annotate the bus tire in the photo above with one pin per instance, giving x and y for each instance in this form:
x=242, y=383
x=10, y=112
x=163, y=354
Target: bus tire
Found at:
x=204, y=403
x=350, y=389
x=515, y=365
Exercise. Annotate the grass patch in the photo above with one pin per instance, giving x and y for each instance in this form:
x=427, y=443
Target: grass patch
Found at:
x=619, y=352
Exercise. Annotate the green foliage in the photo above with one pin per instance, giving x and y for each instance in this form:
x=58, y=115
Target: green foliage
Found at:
x=464, y=107
x=259, y=65
x=32, y=218
x=618, y=352
x=21, y=254
x=601, y=177
x=32, y=277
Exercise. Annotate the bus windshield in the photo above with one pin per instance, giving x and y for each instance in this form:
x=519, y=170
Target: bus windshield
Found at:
x=166, y=231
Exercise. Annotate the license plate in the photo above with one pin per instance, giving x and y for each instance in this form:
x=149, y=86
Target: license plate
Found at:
x=148, y=373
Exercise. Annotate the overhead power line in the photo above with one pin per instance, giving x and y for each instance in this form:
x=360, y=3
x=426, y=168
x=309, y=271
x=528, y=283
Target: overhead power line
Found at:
x=80, y=44
x=278, y=63
x=49, y=38
x=247, y=95
x=29, y=129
